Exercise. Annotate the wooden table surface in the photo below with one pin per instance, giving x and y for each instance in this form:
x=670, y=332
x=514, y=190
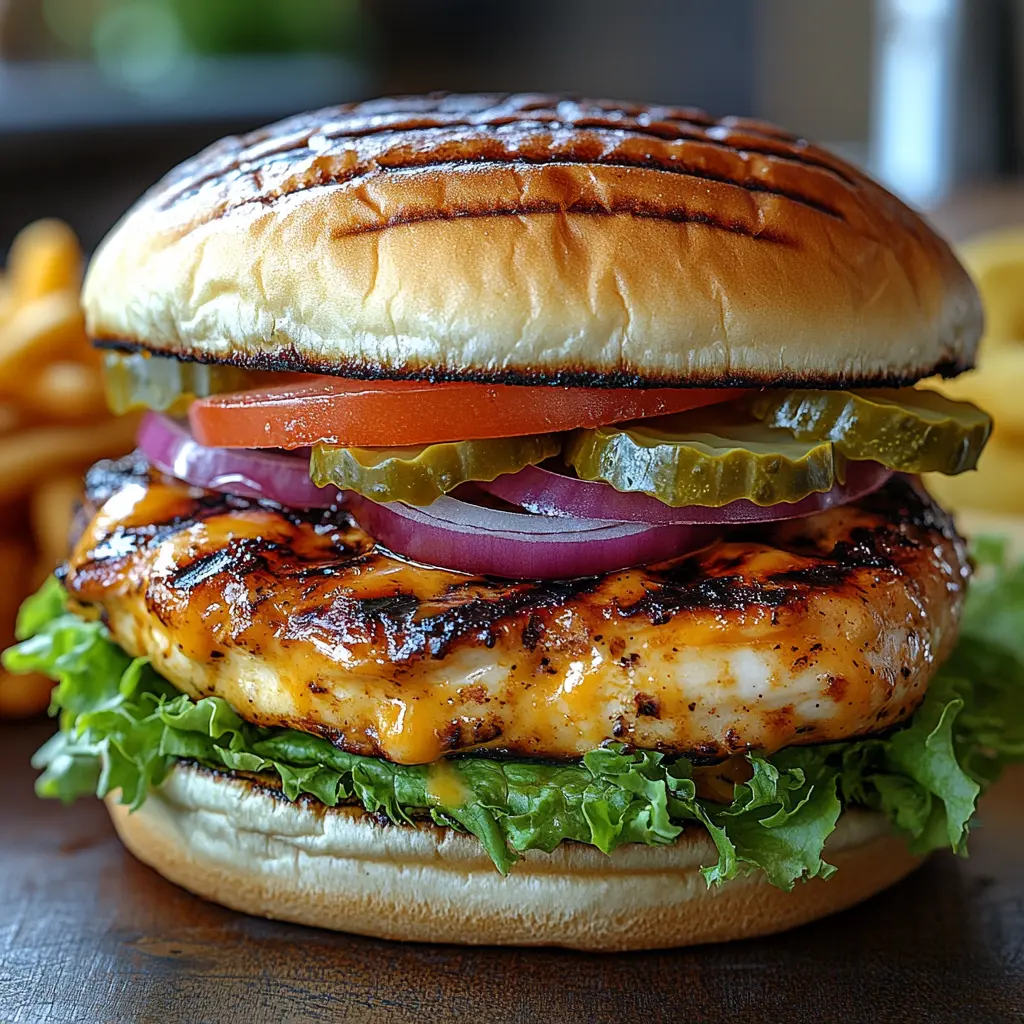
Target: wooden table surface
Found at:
x=88, y=934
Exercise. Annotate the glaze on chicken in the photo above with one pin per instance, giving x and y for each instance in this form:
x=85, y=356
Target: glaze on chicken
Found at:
x=798, y=632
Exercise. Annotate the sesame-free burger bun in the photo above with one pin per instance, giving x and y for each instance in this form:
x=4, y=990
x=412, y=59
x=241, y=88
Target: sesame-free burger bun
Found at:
x=238, y=843
x=532, y=240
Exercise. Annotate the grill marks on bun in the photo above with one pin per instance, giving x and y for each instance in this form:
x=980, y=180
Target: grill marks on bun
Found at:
x=537, y=240
x=355, y=145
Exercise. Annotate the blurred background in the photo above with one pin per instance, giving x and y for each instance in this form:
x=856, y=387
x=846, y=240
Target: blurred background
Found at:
x=98, y=98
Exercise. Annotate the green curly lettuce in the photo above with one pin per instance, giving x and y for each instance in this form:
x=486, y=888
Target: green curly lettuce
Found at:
x=123, y=727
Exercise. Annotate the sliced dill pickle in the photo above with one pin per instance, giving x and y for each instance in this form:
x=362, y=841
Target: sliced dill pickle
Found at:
x=708, y=457
x=138, y=380
x=909, y=430
x=420, y=475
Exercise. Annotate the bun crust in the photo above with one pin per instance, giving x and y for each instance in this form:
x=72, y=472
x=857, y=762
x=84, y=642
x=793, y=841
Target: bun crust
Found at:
x=233, y=842
x=534, y=240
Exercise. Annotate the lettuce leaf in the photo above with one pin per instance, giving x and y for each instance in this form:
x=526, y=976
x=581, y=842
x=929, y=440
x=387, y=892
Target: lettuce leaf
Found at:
x=123, y=728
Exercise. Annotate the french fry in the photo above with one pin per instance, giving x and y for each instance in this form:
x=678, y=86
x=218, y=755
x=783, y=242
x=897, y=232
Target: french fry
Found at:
x=996, y=262
x=48, y=328
x=997, y=486
x=66, y=392
x=10, y=417
x=15, y=564
x=20, y=696
x=33, y=455
x=996, y=387
x=16, y=699
x=23, y=696
x=53, y=507
x=14, y=520
x=45, y=258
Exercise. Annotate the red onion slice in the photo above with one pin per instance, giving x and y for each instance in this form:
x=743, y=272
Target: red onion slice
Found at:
x=548, y=493
x=284, y=479
x=485, y=541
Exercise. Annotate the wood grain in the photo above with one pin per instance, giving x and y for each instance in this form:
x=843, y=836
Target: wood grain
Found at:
x=87, y=934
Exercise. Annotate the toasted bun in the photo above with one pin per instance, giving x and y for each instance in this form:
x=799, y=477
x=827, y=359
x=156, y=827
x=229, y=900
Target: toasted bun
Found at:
x=233, y=842
x=532, y=240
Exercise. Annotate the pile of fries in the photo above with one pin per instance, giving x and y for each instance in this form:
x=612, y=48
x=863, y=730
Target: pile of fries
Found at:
x=996, y=262
x=53, y=424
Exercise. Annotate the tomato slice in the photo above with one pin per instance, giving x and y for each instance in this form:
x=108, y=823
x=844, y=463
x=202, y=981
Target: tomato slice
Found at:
x=384, y=413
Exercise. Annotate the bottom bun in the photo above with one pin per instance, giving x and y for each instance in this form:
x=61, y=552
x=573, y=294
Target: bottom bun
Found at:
x=238, y=843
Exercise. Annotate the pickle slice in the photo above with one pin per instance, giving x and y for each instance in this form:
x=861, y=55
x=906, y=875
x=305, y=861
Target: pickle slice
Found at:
x=420, y=475
x=909, y=430
x=707, y=457
x=138, y=380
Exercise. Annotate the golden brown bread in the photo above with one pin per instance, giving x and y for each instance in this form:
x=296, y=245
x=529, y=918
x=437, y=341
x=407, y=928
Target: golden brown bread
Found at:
x=529, y=239
x=233, y=842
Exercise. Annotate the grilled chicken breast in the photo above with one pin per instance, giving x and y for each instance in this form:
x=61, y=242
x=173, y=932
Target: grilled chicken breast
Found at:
x=800, y=632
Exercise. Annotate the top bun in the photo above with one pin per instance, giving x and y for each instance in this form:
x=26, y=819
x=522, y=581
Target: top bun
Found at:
x=534, y=240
